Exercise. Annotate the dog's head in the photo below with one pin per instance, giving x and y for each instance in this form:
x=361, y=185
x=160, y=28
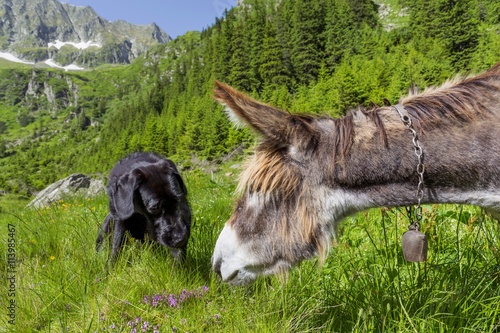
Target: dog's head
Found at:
x=157, y=192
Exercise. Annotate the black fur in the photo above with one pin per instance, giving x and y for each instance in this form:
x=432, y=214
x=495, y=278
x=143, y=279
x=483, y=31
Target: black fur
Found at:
x=147, y=196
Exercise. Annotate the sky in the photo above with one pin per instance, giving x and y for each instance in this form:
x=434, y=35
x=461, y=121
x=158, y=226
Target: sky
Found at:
x=175, y=17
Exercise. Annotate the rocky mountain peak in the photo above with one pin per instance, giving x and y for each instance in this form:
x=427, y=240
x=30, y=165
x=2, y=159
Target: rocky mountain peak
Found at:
x=32, y=29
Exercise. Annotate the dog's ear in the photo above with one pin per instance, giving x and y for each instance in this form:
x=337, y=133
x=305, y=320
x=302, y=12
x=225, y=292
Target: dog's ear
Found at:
x=181, y=182
x=124, y=194
x=170, y=168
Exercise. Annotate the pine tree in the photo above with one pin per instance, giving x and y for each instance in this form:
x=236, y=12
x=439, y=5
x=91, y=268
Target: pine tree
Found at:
x=461, y=32
x=306, y=47
x=339, y=32
x=489, y=11
x=255, y=34
x=273, y=70
x=346, y=20
x=364, y=12
x=222, y=45
x=239, y=64
x=455, y=24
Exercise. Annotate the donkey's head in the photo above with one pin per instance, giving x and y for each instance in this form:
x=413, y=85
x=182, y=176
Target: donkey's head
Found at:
x=283, y=213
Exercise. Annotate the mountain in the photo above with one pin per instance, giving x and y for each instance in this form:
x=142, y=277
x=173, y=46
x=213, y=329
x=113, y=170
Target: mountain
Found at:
x=63, y=34
x=312, y=56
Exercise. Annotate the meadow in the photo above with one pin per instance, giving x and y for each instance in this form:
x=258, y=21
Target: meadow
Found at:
x=61, y=283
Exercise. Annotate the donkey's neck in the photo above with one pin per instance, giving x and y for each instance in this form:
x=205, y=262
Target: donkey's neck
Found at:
x=462, y=165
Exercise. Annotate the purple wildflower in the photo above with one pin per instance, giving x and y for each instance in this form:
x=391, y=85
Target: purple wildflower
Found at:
x=156, y=329
x=156, y=300
x=145, y=326
x=183, y=296
x=112, y=326
x=133, y=323
x=172, y=301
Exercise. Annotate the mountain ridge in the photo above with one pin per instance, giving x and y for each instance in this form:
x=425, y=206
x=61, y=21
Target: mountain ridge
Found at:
x=295, y=56
x=28, y=28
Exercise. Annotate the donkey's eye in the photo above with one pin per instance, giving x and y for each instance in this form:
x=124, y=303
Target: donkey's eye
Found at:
x=239, y=206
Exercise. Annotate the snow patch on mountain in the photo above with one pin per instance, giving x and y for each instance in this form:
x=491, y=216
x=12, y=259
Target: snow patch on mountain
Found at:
x=72, y=67
x=11, y=57
x=49, y=62
x=81, y=46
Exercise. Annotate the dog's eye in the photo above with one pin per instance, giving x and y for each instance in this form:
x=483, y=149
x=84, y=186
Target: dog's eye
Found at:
x=155, y=208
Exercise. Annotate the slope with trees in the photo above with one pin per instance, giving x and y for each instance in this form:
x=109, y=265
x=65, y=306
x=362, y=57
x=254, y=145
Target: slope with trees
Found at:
x=305, y=56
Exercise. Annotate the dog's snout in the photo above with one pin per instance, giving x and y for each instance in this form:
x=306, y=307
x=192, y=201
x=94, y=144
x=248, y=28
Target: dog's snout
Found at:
x=174, y=235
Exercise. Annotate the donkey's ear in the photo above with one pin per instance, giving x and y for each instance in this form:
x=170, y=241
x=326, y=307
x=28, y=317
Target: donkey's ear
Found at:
x=270, y=122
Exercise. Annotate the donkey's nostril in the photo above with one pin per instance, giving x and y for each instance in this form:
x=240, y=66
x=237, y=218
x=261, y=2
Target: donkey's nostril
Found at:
x=232, y=276
x=217, y=265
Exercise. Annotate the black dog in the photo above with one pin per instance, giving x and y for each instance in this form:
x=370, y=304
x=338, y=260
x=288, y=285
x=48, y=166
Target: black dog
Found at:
x=147, y=196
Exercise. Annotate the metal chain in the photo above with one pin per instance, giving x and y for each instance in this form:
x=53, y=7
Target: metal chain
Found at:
x=416, y=217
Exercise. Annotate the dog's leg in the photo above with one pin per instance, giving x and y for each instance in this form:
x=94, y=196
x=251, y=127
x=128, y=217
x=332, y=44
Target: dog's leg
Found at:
x=104, y=231
x=118, y=236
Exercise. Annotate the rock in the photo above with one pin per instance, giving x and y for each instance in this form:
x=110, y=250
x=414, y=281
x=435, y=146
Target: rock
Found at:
x=75, y=184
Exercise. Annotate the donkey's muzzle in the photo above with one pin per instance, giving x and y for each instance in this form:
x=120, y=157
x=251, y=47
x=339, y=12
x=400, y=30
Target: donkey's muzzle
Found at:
x=216, y=266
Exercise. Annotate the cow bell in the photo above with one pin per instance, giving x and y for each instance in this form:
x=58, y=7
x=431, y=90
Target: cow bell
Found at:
x=414, y=244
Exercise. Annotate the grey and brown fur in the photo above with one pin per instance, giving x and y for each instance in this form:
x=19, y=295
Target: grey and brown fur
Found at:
x=309, y=172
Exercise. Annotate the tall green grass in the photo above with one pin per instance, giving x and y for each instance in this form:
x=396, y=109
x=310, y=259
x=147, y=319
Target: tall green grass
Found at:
x=365, y=285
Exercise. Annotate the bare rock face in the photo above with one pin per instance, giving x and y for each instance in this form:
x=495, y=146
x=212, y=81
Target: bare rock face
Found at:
x=75, y=184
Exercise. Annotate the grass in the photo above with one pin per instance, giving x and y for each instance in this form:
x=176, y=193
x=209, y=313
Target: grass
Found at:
x=61, y=283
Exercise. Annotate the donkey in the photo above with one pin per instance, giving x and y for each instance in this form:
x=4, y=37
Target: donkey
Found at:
x=309, y=172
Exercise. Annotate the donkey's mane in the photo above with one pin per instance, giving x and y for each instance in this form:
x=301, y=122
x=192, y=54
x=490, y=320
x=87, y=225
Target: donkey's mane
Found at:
x=267, y=172
x=456, y=101
x=460, y=99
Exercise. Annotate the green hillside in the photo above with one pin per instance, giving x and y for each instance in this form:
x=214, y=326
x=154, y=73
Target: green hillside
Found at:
x=305, y=56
